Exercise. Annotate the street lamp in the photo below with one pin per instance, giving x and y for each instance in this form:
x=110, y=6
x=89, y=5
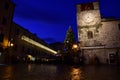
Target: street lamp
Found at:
x=10, y=52
x=75, y=56
x=11, y=44
x=75, y=47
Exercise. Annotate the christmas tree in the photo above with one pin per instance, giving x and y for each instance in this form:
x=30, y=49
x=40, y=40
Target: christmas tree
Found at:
x=69, y=41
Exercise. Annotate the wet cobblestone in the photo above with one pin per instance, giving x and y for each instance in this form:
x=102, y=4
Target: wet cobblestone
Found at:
x=58, y=72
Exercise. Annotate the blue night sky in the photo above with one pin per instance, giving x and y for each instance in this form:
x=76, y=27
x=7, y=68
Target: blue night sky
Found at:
x=50, y=19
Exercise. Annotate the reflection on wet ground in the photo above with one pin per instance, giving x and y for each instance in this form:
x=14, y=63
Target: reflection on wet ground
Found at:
x=58, y=72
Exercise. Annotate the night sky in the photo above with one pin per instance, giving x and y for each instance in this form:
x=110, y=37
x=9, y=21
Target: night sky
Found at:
x=50, y=19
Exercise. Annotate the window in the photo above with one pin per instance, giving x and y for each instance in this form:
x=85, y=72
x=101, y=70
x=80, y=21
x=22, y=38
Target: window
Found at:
x=119, y=26
x=23, y=48
x=6, y=6
x=4, y=21
x=17, y=31
x=90, y=34
x=15, y=47
x=1, y=37
x=88, y=6
x=28, y=50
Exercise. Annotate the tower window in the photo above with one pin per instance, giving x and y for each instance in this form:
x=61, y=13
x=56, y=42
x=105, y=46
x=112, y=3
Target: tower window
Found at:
x=88, y=6
x=90, y=34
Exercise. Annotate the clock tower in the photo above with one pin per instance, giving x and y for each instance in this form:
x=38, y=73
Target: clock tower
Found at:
x=99, y=39
x=88, y=22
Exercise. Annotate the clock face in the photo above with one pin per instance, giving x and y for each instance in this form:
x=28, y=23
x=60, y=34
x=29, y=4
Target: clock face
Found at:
x=88, y=18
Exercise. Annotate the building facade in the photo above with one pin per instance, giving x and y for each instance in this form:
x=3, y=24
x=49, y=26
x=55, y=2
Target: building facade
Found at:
x=17, y=43
x=6, y=16
x=99, y=38
x=20, y=48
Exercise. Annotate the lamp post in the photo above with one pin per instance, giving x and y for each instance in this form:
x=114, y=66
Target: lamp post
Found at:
x=75, y=48
x=9, y=52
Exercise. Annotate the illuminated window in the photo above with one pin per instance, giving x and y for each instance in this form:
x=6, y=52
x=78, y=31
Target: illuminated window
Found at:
x=90, y=34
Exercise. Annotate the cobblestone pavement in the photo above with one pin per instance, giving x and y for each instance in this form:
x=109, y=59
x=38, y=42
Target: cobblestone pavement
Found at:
x=58, y=72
